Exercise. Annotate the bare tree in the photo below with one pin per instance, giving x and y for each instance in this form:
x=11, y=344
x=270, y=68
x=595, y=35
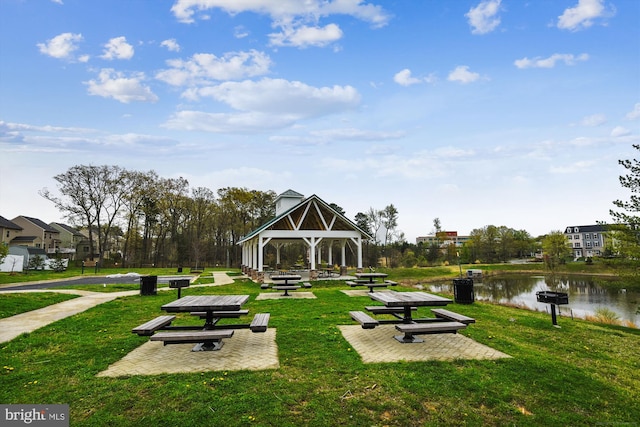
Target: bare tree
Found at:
x=92, y=196
x=374, y=218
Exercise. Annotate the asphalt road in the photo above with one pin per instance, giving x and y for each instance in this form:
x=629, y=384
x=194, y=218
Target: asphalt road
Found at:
x=88, y=280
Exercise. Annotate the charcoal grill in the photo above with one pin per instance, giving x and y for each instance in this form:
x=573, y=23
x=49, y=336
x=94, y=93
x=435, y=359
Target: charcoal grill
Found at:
x=553, y=298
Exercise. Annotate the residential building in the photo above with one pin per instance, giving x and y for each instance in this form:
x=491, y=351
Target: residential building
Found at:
x=36, y=233
x=9, y=230
x=445, y=238
x=73, y=244
x=586, y=240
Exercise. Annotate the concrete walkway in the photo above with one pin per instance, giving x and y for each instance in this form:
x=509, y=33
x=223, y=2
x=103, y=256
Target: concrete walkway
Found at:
x=14, y=326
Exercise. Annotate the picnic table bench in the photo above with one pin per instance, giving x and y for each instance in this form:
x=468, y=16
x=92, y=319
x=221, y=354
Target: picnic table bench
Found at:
x=411, y=329
x=366, y=321
x=150, y=327
x=260, y=322
x=368, y=284
x=221, y=314
x=286, y=289
x=207, y=340
x=383, y=309
x=450, y=315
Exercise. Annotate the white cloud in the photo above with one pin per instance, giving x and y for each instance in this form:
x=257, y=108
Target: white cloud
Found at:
x=577, y=167
x=204, y=68
x=61, y=46
x=462, y=74
x=550, y=62
x=297, y=20
x=171, y=44
x=112, y=84
x=117, y=48
x=52, y=139
x=594, y=120
x=619, y=131
x=309, y=10
x=264, y=105
x=251, y=122
x=354, y=134
x=635, y=114
x=304, y=36
x=453, y=153
x=583, y=14
x=483, y=18
x=240, y=32
x=279, y=96
x=404, y=78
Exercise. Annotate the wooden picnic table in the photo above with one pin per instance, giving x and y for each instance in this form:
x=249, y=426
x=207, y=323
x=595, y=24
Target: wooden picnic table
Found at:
x=406, y=300
x=286, y=278
x=286, y=286
x=401, y=304
x=371, y=276
x=212, y=308
x=208, y=304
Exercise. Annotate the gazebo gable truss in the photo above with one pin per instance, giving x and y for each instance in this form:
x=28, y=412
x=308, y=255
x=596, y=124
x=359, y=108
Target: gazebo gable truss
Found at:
x=311, y=221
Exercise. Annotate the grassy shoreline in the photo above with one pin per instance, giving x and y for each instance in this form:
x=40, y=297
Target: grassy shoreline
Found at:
x=580, y=374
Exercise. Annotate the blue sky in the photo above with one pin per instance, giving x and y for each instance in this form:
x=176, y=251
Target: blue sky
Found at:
x=475, y=112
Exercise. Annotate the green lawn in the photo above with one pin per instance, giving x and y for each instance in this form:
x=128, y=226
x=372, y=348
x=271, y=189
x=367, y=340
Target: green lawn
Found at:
x=16, y=303
x=580, y=374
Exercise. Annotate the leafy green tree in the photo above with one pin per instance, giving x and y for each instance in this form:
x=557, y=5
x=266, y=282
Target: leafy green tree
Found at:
x=58, y=263
x=555, y=249
x=4, y=251
x=362, y=222
x=36, y=262
x=626, y=227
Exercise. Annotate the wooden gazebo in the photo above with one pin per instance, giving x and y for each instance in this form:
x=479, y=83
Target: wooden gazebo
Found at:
x=309, y=220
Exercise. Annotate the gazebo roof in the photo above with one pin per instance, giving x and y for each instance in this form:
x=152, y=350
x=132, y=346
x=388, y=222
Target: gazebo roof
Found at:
x=310, y=214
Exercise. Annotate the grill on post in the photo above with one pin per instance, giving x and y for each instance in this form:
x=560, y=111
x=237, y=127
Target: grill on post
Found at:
x=553, y=298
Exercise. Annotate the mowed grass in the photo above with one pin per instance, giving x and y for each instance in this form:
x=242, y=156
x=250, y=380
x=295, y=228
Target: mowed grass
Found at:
x=16, y=303
x=580, y=374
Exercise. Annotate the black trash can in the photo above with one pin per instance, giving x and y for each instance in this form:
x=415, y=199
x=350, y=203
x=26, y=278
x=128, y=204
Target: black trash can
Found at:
x=148, y=285
x=179, y=269
x=463, y=291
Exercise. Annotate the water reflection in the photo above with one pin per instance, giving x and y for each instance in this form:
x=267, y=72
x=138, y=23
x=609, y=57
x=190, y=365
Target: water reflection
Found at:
x=586, y=294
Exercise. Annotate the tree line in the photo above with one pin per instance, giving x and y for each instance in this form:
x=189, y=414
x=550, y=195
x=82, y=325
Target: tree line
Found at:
x=158, y=221
x=165, y=222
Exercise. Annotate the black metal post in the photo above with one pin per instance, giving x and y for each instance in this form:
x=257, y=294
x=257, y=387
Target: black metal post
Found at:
x=553, y=315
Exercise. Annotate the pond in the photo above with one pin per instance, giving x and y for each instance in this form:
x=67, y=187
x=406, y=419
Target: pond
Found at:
x=586, y=294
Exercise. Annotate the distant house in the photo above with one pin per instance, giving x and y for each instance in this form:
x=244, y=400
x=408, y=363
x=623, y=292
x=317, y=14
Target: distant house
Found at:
x=36, y=233
x=73, y=244
x=445, y=238
x=9, y=230
x=586, y=240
